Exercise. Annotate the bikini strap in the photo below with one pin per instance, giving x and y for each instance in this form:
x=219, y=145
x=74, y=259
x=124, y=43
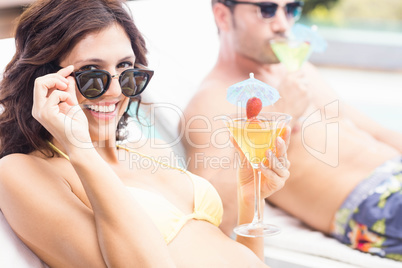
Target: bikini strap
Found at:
x=57, y=150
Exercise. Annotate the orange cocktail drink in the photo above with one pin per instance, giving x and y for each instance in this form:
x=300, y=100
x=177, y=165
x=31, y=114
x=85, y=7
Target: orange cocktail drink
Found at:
x=255, y=136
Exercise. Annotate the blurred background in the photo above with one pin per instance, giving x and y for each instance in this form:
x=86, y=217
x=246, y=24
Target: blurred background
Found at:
x=363, y=61
x=368, y=31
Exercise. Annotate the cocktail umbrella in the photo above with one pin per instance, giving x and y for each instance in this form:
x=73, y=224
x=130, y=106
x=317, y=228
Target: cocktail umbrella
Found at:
x=309, y=34
x=241, y=92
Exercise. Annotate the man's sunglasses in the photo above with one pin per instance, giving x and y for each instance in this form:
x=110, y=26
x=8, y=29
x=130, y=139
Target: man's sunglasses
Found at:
x=268, y=9
x=94, y=83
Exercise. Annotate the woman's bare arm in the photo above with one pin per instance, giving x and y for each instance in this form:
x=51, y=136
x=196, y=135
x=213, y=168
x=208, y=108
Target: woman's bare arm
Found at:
x=45, y=213
x=123, y=228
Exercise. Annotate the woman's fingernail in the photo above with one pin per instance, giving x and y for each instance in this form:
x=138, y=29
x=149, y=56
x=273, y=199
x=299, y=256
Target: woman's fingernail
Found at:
x=265, y=162
x=269, y=154
x=267, y=159
x=280, y=140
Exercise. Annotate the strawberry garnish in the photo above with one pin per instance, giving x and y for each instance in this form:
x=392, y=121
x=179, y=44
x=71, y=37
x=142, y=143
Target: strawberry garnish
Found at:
x=253, y=108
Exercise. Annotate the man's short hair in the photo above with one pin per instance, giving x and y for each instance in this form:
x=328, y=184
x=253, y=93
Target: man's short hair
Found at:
x=213, y=2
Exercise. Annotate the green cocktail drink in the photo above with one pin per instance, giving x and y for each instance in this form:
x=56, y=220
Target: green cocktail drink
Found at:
x=292, y=53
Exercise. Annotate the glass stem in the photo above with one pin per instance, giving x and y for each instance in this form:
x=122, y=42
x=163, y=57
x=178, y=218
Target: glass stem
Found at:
x=257, y=196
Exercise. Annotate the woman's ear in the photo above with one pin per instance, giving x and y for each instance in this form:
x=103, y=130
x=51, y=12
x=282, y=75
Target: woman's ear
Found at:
x=223, y=17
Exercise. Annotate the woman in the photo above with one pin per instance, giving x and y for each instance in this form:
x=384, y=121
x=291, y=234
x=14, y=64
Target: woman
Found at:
x=68, y=191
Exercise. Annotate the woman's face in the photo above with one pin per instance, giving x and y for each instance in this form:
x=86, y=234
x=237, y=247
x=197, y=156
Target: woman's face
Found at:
x=109, y=49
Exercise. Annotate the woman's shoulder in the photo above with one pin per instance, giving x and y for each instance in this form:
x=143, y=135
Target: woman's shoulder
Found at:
x=20, y=159
x=17, y=165
x=29, y=169
x=13, y=163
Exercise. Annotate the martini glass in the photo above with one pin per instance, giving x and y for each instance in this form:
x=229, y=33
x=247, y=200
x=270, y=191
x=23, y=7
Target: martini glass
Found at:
x=291, y=52
x=254, y=137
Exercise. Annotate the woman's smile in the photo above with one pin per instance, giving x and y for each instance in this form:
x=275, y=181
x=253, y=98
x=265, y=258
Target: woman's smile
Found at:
x=103, y=111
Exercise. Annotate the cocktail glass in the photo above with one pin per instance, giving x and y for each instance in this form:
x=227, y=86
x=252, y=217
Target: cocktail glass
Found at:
x=291, y=52
x=254, y=137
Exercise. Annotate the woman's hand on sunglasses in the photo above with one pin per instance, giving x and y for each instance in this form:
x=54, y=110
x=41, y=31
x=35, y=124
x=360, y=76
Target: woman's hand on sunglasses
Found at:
x=55, y=106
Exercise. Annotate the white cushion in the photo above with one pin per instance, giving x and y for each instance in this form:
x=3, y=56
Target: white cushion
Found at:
x=13, y=252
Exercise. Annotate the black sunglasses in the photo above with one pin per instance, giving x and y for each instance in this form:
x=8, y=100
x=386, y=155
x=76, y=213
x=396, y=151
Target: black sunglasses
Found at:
x=268, y=9
x=94, y=83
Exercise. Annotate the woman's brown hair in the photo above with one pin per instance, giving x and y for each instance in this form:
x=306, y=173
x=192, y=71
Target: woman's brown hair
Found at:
x=47, y=31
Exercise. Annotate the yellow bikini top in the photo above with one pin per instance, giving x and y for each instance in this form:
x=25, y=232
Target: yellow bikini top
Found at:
x=167, y=217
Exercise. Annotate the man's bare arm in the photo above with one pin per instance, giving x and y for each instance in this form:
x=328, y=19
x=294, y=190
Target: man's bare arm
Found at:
x=324, y=95
x=378, y=131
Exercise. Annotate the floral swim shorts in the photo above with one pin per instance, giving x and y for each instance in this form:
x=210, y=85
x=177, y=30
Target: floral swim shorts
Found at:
x=370, y=219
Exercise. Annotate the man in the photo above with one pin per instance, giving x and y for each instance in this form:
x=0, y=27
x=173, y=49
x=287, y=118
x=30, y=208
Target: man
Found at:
x=333, y=149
